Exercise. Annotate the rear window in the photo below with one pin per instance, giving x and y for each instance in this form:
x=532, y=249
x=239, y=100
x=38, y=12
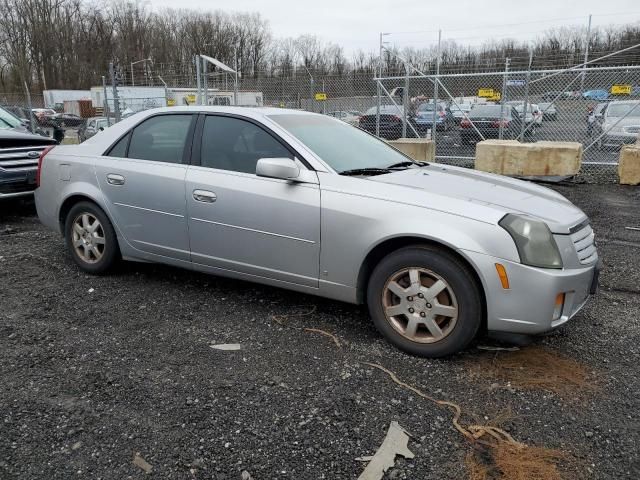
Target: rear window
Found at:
x=487, y=111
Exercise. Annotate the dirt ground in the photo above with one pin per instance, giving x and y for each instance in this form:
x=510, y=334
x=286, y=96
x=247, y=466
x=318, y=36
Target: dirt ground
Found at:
x=96, y=369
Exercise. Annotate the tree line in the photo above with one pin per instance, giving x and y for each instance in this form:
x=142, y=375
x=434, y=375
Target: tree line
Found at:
x=69, y=44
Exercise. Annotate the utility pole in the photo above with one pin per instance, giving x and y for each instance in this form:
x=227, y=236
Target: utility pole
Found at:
x=586, y=55
x=114, y=85
x=235, y=86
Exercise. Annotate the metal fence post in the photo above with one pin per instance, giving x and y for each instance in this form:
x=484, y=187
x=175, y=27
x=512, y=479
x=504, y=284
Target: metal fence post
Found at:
x=32, y=123
x=116, y=101
x=526, y=100
x=586, y=55
x=435, y=94
x=379, y=92
x=503, y=97
x=205, y=85
x=198, y=81
x=105, y=103
x=405, y=101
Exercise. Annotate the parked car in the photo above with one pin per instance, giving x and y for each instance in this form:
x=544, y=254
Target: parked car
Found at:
x=352, y=117
x=487, y=120
x=460, y=111
x=619, y=124
x=548, y=110
x=44, y=115
x=390, y=121
x=19, y=153
x=302, y=201
x=596, y=94
x=92, y=126
x=65, y=120
x=423, y=119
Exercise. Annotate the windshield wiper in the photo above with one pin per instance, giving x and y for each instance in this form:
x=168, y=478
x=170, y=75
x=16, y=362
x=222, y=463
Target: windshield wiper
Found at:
x=365, y=171
x=407, y=164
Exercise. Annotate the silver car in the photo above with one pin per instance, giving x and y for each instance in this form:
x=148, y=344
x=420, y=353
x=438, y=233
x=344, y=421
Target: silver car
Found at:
x=305, y=202
x=619, y=124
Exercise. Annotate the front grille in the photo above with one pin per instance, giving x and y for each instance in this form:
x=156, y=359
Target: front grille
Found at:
x=584, y=243
x=20, y=158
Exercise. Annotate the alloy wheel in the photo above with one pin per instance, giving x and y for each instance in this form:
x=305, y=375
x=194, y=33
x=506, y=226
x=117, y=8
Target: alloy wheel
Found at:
x=88, y=238
x=420, y=305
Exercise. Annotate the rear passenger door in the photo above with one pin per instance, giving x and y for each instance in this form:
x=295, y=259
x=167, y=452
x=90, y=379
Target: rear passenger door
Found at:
x=263, y=227
x=142, y=178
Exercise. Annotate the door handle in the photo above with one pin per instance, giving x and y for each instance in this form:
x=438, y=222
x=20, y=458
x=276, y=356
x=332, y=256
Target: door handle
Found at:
x=114, y=179
x=204, y=196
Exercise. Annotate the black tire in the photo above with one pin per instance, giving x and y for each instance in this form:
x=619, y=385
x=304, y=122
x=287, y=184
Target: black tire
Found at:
x=111, y=251
x=459, y=279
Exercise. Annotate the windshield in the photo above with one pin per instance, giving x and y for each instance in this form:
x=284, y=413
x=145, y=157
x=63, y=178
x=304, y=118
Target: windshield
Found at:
x=386, y=110
x=338, y=144
x=7, y=120
x=622, y=109
x=428, y=107
x=487, y=111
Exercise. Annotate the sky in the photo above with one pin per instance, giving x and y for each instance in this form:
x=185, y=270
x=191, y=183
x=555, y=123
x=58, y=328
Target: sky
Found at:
x=356, y=24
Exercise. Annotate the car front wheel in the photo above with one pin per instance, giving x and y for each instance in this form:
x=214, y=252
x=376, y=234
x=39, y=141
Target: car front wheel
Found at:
x=90, y=238
x=425, y=301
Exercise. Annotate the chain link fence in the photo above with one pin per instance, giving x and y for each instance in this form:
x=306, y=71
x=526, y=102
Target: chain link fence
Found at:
x=598, y=107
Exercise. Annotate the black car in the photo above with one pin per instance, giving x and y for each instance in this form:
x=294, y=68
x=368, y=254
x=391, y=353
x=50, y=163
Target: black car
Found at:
x=390, y=121
x=64, y=120
x=19, y=154
x=487, y=120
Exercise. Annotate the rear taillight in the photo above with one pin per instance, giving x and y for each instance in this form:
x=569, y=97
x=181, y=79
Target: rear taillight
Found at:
x=465, y=123
x=441, y=114
x=40, y=160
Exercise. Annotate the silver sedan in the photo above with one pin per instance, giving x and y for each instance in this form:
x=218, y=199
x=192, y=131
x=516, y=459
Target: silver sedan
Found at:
x=306, y=202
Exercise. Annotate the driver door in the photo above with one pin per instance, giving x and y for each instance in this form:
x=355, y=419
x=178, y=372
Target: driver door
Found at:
x=263, y=227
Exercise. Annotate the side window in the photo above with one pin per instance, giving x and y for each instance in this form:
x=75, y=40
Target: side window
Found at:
x=162, y=138
x=120, y=148
x=233, y=144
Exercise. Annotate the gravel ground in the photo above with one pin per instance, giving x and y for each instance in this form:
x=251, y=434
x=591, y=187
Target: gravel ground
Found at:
x=95, y=369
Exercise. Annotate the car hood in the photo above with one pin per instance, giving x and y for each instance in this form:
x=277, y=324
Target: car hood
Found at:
x=496, y=195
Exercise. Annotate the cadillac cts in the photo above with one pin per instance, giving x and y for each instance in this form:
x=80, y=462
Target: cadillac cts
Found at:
x=306, y=202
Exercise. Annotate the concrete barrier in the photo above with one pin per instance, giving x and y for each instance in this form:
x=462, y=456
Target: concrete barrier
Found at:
x=420, y=149
x=629, y=165
x=539, y=159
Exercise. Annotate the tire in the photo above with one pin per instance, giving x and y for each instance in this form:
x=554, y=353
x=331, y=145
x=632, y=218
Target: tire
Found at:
x=93, y=247
x=460, y=301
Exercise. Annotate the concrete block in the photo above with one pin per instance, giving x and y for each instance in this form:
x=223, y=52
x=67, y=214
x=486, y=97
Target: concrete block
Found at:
x=539, y=159
x=629, y=165
x=420, y=149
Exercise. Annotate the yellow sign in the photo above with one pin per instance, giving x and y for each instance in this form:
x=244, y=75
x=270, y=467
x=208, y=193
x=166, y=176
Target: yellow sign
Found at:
x=486, y=92
x=321, y=97
x=621, y=90
x=191, y=98
x=495, y=97
x=171, y=102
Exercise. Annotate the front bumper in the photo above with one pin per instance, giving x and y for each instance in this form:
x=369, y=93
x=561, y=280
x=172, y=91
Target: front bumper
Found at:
x=16, y=183
x=528, y=306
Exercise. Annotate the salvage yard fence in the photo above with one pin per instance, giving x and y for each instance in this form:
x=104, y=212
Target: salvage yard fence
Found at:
x=568, y=105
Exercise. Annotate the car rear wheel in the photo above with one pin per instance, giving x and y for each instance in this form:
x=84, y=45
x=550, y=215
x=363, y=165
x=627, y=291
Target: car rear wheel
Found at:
x=90, y=238
x=425, y=301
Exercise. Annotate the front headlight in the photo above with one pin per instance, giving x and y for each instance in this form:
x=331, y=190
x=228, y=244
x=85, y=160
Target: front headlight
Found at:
x=534, y=241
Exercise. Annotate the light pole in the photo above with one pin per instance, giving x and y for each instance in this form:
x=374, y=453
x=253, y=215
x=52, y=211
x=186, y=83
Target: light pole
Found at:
x=133, y=83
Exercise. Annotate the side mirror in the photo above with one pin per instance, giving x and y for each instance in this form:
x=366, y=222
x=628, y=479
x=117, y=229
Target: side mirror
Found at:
x=283, y=168
x=101, y=129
